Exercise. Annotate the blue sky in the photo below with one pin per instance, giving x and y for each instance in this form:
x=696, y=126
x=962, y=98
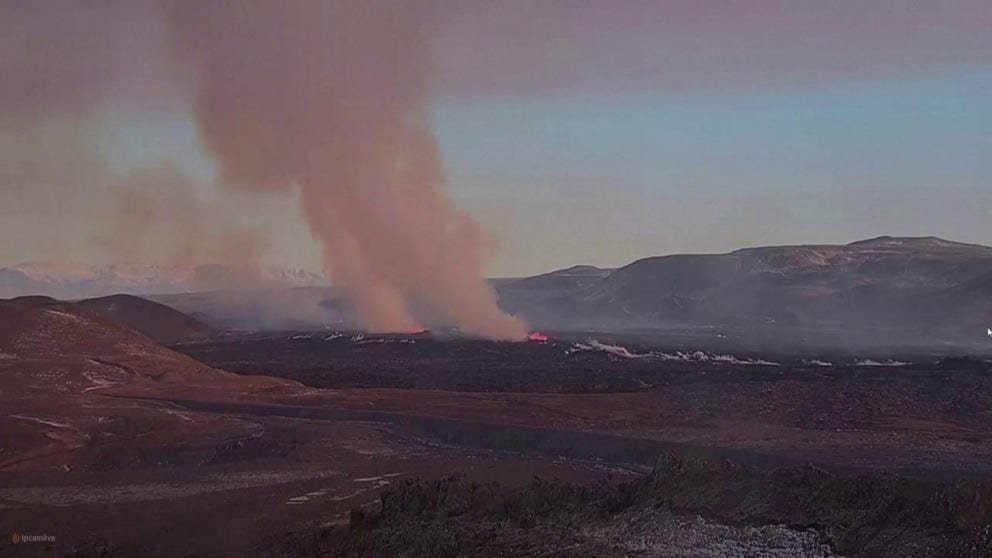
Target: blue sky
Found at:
x=836, y=162
x=607, y=178
x=592, y=132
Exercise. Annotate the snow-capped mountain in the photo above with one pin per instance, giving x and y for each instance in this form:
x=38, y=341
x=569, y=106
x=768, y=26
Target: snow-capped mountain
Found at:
x=74, y=280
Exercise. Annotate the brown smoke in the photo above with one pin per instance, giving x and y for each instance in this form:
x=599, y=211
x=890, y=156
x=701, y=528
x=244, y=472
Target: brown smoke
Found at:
x=54, y=67
x=62, y=63
x=331, y=98
x=156, y=211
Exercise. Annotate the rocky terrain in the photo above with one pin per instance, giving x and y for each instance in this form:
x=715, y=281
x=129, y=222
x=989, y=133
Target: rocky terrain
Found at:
x=62, y=363
x=801, y=512
x=862, y=411
x=318, y=442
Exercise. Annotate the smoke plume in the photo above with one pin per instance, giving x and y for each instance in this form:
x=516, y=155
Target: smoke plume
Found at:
x=331, y=98
x=156, y=211
x=62, y=64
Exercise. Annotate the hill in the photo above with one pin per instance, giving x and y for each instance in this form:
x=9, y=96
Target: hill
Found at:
x=918, y=285
x=158, y=321
x=65, y=369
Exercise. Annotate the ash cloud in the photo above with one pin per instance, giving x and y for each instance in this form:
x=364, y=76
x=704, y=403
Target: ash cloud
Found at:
x=54, y=66
x=324, y=98
x=331, y=98
x=62, y=64
x=155, y=210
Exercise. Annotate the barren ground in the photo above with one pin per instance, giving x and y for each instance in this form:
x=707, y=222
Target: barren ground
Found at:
x=199, y=461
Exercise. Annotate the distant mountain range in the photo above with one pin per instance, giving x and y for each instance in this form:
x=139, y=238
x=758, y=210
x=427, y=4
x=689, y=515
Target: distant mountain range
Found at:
x=920, y=286
x=913, y=289
x=70, y=281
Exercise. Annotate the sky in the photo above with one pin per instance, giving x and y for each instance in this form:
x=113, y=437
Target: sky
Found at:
x=575, y=132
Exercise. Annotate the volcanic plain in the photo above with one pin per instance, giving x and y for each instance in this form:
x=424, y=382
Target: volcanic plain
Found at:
x=347, y=443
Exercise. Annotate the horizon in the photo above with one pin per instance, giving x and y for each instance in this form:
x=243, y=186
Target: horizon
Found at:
x=503, y=277
x=601, y=134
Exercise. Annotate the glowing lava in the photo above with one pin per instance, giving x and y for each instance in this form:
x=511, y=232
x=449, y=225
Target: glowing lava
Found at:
x=537, y=336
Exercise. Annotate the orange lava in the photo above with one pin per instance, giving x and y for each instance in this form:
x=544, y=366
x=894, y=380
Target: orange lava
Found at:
x=537, y=336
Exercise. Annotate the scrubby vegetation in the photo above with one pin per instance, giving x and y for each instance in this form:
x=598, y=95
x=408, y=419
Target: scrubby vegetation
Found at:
x=870, y=515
